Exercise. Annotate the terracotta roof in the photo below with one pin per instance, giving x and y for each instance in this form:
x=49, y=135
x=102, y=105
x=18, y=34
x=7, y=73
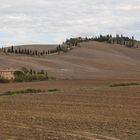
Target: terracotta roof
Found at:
x=8, y=70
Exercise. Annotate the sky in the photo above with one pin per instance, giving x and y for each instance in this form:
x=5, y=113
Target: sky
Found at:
x=52, y=21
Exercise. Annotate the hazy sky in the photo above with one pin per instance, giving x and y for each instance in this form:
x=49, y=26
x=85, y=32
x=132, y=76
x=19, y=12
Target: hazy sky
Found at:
x=52, y=21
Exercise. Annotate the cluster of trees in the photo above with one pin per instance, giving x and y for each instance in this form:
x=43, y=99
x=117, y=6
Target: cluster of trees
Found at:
x=73, y=41
x=27, y=51
x=25, y=75
x=118, y=39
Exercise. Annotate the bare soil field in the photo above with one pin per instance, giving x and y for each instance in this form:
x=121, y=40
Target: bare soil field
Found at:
x=93, y=60
x=84, y=106
x=79, y=110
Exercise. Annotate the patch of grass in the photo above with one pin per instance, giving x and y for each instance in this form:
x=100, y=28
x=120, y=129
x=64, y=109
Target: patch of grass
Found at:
x=124, y=84
x=22, y=91
x=53, y=90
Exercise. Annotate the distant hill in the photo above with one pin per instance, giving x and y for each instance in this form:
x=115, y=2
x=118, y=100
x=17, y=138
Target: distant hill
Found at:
x=90, y=61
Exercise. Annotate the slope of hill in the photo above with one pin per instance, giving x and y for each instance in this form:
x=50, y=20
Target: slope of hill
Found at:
x=92, y=60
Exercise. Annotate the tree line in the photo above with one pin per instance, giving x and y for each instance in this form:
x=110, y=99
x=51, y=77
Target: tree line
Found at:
x=118, y=39
x=25, y=75
x=69, y=44
x=26, y=51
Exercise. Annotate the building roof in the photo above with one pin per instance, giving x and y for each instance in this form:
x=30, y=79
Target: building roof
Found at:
x=8, y=70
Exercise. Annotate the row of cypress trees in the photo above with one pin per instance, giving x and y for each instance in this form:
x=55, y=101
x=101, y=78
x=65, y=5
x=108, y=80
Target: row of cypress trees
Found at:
x=118, y=39
x=27, y=51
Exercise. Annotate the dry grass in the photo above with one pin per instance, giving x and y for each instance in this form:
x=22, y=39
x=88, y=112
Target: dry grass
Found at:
x=82, y=109
x=92, y=60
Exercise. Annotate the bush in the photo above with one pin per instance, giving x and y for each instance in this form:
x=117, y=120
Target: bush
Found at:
x=2, y=80
x=41, y=77
x=23, y=91
x=26, y=76
x=53, y=90
x=18, y=79
x=19, y=76
x=124, y=84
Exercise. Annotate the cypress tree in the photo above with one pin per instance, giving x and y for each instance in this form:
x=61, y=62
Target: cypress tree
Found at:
x=12, y=49
x=9, y=50
x=4, y=50
x=46, y=52
x=28, y=51
x=16, y=51
x=132, y=41
x=31, y=71
x=19, y=50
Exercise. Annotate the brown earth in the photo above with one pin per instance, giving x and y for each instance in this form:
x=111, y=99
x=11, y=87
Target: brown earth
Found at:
x=92, y=60
x=81, y=110
x=84, y=109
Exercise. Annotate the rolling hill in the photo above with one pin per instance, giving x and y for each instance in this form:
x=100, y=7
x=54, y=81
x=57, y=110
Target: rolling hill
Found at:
x=91, y=60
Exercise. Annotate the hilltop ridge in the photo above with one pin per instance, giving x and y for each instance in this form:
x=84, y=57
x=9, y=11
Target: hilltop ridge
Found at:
x=91, y=60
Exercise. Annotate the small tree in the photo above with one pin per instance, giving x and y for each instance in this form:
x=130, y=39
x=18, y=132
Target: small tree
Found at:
x=12, y=49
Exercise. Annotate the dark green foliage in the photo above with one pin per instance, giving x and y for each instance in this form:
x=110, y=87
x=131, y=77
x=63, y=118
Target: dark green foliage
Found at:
x=12, y=49
x=30, y=75
x=69, y=44
x=25, y=70
x=46, y=76
x=74, y=41
x=4, y=50
x=41, y=72
x=19, y=76
x=16, y=51
x=19, y=51
x=36, y=52
x=119, y=39
x=53, y=90
x=41, y=77
x=22, y=92
x=2, y=80
x=31, y=71
x=124, y=84
x=48, y=52
x=30, y=52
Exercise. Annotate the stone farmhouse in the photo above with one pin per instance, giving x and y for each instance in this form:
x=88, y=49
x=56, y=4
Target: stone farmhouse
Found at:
x=8, y=73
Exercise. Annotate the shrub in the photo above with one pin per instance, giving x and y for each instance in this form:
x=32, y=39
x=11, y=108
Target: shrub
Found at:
x=2, y=80
x=23, y=91
x=124, y=84
x=53, y=90
x=19, y=76
x=24, y=76
x=18, y=79
x=41, y=77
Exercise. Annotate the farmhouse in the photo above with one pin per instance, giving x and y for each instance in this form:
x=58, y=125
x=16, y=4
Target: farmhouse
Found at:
x=8, y=73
